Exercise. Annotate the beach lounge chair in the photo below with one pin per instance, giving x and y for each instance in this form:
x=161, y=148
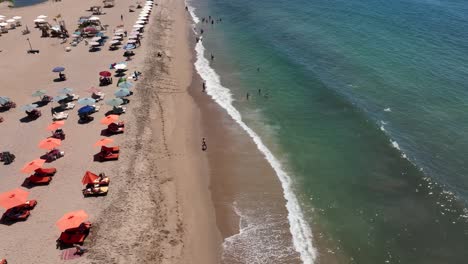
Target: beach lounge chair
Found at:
x=36, y=180
x=74, y=235
x=98, y=96
x=85, y=119
x=107, y=156
x=59, y=134
x=114, y=128
x=110, y=149
x=53, y=155
x=7, y=106
x=41, y=172
x=7, y=158
x=95, y=191
x=34, y=114
x=16, y=214
x=118, y=110
x=67, y=106
x=72, y=97
x=60, y=116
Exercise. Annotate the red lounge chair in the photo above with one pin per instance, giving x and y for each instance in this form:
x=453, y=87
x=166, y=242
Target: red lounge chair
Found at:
x=115, y=128
x=53, y=155
x=74, y=235
x=110, y=149
x=105, y=156
x=28, y=205
x=16, y=214
x=35, y=180
x=7, y=106
x=41, y=172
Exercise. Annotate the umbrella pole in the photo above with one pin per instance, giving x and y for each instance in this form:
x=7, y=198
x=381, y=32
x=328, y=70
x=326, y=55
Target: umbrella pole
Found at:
x=30, y=47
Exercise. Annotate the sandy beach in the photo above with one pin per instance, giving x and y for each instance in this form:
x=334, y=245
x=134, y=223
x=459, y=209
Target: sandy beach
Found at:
x=159, y=208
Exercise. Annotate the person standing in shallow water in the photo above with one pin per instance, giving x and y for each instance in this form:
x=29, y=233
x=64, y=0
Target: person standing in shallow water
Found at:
x=204, y=147
x=247, y=96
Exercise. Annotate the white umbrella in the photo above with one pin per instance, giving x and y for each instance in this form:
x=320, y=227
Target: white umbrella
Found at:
x=2, y=16
x=17, y=17
x=117, y=38
x=133, y=37
x=94, y=18
x=114, y=42
x=138, y=22
x=94, y=43
x=120, y=66
x=119, y=30
x=138, y=26
x=42, y=17
x=3, y=24
x=118, y=33
x=11, y=21
x=131, y=41
x=96, y=39
x=39, y=20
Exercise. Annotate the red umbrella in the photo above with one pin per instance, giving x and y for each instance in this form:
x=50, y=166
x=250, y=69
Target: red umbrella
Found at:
x=33, y=165
x=103, y=142
x=105, y=74
x=13, y=198
x=71, y=220
x=89, y=177
x=90, y=29
x=109, y=119
x=50, y=143
x=55, y=125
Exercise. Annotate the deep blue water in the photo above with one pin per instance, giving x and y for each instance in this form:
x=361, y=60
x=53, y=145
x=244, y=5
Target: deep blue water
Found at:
x=366, y=108
x=20, y=3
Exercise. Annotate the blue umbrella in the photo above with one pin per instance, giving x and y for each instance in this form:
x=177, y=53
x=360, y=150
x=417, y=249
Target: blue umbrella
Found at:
x=87, y=109
x=29, y=107
x=4, y=100
x=114, y=102
x=122, y=92
x=125, y=85
x=66, y=90
x=58, y=98
x=129, y=47
x=58, y=69
x=86, y=101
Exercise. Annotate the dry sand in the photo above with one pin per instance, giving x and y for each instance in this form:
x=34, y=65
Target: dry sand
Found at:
x=159, y=207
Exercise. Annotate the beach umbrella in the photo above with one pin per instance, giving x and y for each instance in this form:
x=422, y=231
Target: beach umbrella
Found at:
x=29, y=107
x=96, y=39
x=39, y=20
x=120, y=66
x=94, y=90
x=55, y=125
x=87, y=101
x=90, y=30
x=138, y=26
x=3, y=24
x=66, y=90
x=125, y=85
x=122, y=92
x=11, y=21
x=59, y=98
x=114, y=102
x=140, y=22
x=17, y=17
x=89, y=177
x=42, y=17
x=13, y=198
x=132, y=41
x=117, y=37
x=50, y=143
x=85, y=110
x=4, y=100
x=103, y=142
x=105, y=74
x=115, y=42
x=94, y=18
x=71, y=220
x=58, y=69
x=39, y=93
x=33, y=165
x=109, y=119
x=2, y=16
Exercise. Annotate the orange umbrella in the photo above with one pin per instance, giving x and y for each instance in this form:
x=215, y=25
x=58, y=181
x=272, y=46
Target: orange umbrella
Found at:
x=103, y=142
x=13, y=198
x=89, y=177
x=55, y=125
x=109, y=119
x=50, y=143
x=71, y=220
x=33, y=165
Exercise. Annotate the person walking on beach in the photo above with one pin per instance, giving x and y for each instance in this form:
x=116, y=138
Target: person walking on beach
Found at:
x=121, y=17
x=204, y=87
x=204, y=147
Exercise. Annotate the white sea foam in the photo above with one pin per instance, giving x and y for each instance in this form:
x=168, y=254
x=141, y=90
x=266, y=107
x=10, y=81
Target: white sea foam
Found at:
x=300, y=229
x=395, y=144
x=388, y=109
x=191, y=10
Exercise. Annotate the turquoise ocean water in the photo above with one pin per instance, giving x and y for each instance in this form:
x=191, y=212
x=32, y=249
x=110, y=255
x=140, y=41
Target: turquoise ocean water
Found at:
x=363, y=103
